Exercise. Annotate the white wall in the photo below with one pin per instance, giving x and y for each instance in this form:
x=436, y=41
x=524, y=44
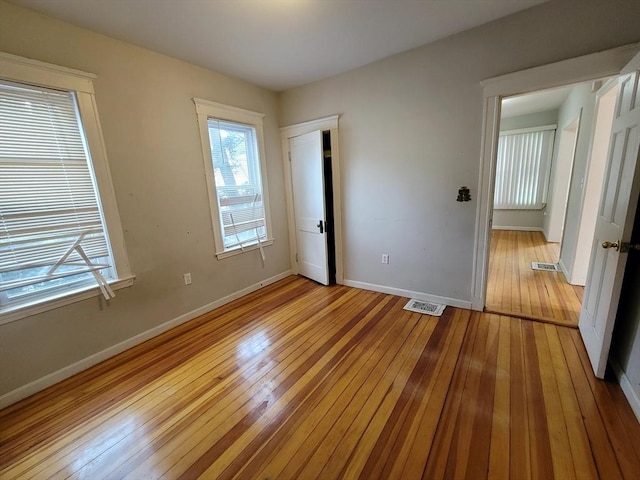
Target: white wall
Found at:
x=153, y=145
x=410, y=135
x=523, y=219
x=592, y=190
x=526, y=220
x=581, y=99
x=536, y=119
x=561, y=170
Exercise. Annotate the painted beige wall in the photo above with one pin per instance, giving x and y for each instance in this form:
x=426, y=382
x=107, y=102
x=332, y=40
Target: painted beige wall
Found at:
x=153, y=145
x=410, y=134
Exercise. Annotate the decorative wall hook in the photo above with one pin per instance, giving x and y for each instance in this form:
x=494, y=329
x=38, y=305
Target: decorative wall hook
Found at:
x=464, y=195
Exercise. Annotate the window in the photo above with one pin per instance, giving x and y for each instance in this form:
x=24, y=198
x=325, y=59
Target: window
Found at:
x=232, y=142
x=523, y=168
x=54, y=232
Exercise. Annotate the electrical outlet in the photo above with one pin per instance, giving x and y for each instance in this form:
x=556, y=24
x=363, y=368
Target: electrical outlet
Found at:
x=187, y=278
x=385, y=258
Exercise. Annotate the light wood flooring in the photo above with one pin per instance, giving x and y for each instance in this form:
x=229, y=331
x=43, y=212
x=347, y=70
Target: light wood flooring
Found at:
x=513, y=288
x=299, y=381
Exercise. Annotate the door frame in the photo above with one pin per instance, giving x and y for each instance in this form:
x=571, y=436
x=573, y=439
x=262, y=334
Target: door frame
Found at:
x=323, y=124
x=567, y=140
x=575, y=70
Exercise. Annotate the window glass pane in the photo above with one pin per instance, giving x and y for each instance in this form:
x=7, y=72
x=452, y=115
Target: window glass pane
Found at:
x=236, y=170
x=48, y=287
x=52, y=234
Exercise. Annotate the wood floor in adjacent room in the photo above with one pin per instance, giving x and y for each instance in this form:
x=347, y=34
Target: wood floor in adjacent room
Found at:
x=299, y=381
x=513, y=288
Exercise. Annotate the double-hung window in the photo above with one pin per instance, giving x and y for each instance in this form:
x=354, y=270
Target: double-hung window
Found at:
x=232, y=145
x=55, y=237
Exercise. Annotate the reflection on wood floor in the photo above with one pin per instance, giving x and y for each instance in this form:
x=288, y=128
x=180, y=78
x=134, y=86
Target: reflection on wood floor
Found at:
x=513, y=288
x=300, y=381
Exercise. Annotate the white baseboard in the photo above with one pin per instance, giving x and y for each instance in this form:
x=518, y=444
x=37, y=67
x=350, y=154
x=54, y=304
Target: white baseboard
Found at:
x=454, y=302
x=70, y=370
x=564, y=270
x=517, y=229
x=477, y=304
x=627, y=387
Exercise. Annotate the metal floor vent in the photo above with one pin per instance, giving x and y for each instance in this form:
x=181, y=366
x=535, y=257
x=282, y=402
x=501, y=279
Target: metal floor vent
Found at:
x=549, y=267
x=427, y=308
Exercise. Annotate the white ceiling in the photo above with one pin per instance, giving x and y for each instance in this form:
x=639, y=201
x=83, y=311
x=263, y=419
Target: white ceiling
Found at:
x=542, y=101
x=279, y=44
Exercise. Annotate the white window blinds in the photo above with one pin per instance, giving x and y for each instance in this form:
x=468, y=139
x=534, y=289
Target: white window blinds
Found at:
x=236, y=170
x=522, y=171
x=52, y=232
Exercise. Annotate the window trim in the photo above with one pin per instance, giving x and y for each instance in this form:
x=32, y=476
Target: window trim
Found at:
x=33, y=72
x=205, y=110
x=40, y=306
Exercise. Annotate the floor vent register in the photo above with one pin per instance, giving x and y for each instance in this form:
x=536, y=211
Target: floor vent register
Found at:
x=548, y=267
x=424, y=307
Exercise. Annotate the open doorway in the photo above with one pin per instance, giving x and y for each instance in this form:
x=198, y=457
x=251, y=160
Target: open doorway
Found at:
x=541, y=245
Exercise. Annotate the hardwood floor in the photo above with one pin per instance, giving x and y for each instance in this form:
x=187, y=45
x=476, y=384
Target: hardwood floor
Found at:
x=299, y=381
x=513, y=288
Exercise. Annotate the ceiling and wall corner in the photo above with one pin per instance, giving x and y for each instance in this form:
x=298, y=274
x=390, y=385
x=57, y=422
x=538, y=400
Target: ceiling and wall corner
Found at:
x=331, y=36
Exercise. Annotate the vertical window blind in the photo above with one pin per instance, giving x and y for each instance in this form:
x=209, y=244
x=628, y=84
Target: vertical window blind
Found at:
x=522, y=170
x=236, y=169
x=48, y=197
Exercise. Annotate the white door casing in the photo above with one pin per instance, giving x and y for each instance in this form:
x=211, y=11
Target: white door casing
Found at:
x=614, y=223
x=307, y=178
x=579, y=69
x=326, y=124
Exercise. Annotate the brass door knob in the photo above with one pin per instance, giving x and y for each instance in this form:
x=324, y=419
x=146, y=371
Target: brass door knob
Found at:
x=614, y=245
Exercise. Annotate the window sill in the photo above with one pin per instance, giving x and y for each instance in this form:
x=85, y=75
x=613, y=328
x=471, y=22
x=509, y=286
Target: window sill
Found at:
x=521, y=208
x=17, y=312
x=238, y=250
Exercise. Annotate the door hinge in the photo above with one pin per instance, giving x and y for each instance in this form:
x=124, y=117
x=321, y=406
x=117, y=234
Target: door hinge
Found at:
x=296, y=257
x=289, y=156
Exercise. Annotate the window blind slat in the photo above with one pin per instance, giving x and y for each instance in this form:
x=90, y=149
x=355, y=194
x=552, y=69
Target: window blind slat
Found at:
x=522, y=161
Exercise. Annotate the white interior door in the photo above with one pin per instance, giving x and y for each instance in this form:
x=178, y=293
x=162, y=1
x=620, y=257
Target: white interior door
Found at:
x=307, y=178
x=614, y=223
